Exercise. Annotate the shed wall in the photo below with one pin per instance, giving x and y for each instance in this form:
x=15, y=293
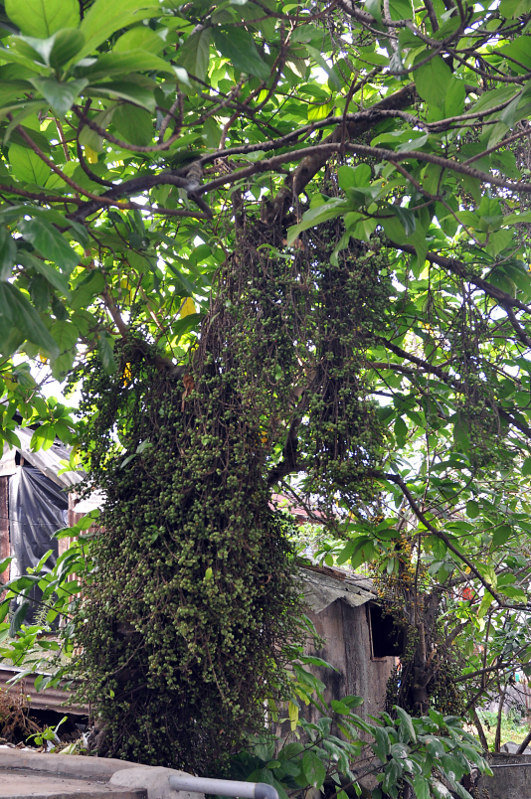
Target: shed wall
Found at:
x=4, y=526
x=347, y=646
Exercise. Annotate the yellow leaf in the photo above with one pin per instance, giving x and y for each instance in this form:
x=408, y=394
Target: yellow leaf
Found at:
x=127, y=374
x=91, y=155
x=293, y=713
x=188, y=307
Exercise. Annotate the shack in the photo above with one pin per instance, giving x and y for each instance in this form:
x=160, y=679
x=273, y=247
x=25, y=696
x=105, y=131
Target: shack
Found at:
x=360, y=639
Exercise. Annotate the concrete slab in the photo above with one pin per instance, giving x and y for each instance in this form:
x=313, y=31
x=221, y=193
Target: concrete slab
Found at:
x=24, y=783
x=37, y=775
x=98, y=768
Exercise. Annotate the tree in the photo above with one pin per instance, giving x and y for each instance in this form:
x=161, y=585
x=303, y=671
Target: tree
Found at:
x=280, y=244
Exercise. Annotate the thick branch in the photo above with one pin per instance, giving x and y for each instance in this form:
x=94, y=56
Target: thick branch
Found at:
x=138, y=185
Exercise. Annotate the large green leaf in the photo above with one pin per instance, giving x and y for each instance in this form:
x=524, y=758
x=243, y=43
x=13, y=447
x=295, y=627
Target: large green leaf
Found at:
x=194, y=55
x=139, y=38
x=8, y=250
x=432, y=81
x=49, y=272
x=314, y=769
x=136, y=91
x=49, y=242
x=104, y=18
x=315, y=216
x=43, y=17
x=238, y=46
x=60, y=95
x=67, y=43
x=27, y=166
x=118, y=63
x=135, y=125
x=17, y=312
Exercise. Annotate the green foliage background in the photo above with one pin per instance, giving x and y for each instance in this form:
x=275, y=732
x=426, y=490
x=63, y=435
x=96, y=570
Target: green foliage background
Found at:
x=286, y=247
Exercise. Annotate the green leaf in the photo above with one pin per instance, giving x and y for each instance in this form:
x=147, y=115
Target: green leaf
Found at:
x=432, y=80
x=49, y=272
x=194, y=55
x=4, y=606
x=65, y=334
x=139, y=38
x=485, y=604
x=43, y=17
x=122, y=64
x=514, y=8
x=106, y=346
x=501, y=535
x=472, y=509
x=421, y=787
x=18, y=618
x=105, y=18
x=313, y=769
x=43, y=437
x=354, y=177
x=61, y=96
x=314, y=216
x=526, y=467
x=346, y=553
x=461, y=431
x=135, y=125
x=8, y=251
x=133, y=91
x=382, y=745
x=27, y=166
x=519, y=51
x=374, y=7
x=400, y=430
x=340, y=707
x=49, y=242
x=454, y=100
x=67, y=43
x=406, y=724
x=16, y=311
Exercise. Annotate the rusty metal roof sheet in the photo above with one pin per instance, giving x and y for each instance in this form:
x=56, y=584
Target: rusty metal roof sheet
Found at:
x=49, y=699
x=322, y=586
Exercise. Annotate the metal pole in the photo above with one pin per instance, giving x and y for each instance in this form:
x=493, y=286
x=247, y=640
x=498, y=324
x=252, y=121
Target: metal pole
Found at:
x=245, y=790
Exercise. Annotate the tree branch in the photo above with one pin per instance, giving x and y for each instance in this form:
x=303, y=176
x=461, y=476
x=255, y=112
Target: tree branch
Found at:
x=395, y=478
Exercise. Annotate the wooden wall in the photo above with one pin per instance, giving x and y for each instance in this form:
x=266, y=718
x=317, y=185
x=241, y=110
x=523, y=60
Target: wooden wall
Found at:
x=347, y=636
x=5, y=549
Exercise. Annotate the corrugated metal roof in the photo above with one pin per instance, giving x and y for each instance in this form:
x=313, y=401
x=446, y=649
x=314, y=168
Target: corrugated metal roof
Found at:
x=49, y=461
x=322, y=586
x=50, y=699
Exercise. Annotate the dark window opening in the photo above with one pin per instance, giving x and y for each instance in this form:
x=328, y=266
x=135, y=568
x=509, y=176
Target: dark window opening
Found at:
x=387, y=637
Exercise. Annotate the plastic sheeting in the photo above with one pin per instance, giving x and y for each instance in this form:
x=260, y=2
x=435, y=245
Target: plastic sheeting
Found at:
x=37, y=509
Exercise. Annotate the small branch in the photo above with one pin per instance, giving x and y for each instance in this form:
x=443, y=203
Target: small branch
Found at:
x=395, y=478
x=43, y=198
x=432, y=15
x=502, y=143
x=177, y=104
x=137, y=185
x=481, y=733
x=136, y=148
x=525, y=743
x=461, y=269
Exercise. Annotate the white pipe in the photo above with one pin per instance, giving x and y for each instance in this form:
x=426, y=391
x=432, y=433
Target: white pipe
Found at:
x=244, y=790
